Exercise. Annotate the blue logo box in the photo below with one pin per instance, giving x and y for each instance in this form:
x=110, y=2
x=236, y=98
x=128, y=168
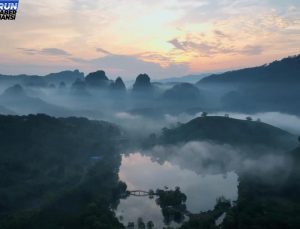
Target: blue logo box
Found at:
x=9, y=4
x=8, y=9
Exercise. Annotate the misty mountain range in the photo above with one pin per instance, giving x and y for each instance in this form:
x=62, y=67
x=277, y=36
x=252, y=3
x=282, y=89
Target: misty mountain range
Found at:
x=271, y=87
x=281, y=71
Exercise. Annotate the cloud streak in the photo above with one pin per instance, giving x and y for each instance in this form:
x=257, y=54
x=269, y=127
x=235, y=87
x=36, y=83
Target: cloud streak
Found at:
x=209, y=158
x=101, y=50
x=45, y=51
x=207, y=49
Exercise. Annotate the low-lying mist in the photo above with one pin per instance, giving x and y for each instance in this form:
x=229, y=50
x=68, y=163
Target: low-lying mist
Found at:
x=207, y=158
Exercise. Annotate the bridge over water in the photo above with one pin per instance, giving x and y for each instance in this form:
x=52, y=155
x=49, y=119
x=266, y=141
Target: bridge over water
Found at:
x=141, y=193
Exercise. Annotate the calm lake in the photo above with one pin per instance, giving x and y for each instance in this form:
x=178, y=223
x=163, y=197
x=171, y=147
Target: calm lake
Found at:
x=141, y=173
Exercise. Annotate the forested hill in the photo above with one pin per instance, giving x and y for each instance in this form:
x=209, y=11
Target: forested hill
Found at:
x=286, y=70
x=268, y=203
x=53, y=172
x=229, y=131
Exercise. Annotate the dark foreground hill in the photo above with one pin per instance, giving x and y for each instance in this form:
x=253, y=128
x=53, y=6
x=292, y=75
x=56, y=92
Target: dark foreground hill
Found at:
x=53, y=172
x=225, y=130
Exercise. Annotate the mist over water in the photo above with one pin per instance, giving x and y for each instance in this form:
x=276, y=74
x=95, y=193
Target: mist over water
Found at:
x=141, y=172
x=204, y=171
x=212, y=158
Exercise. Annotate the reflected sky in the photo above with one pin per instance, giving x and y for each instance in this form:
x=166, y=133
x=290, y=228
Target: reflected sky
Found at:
x=139, y=172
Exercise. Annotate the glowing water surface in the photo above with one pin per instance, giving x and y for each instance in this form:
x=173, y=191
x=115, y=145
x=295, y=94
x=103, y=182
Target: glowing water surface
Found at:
x=140, y=173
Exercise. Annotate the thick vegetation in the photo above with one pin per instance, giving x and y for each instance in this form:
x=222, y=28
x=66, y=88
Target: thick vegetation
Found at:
x=226, y=130
x=172, y=204
x=266, y=202
x=54, y=173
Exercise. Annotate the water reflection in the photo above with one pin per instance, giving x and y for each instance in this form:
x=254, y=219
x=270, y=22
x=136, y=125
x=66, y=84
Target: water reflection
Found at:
x=139, y=172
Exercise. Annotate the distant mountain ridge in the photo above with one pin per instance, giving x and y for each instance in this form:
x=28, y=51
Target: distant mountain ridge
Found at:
x=36, y=80
x=271, y=87
x=184, y=79
x=286, y=70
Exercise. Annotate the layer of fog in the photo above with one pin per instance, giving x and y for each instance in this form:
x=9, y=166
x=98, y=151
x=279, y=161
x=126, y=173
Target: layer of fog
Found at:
x=203, y=170
x=140, y=126
x=141, y=173
x=211, y=158
x=105, y=105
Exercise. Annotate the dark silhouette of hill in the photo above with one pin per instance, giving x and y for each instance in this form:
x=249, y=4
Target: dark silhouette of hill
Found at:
x=142, y=84
x=97, y=79
x=64, y=76
x=229, y=131
x=118, y=85
x=284, y=71
x=184, y=79
x=263, y=98
x=49, y=175
x=183, y=92
x=272, y=87
x=42, y=81
x=25, y=80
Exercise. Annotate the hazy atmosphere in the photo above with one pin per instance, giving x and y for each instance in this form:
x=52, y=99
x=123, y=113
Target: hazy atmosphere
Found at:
x=149, y=114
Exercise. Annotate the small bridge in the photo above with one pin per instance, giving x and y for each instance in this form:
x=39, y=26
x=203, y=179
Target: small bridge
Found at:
x=140, y=193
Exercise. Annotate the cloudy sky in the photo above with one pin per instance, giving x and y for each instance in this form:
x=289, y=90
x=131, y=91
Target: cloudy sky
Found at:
x=164, y=38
